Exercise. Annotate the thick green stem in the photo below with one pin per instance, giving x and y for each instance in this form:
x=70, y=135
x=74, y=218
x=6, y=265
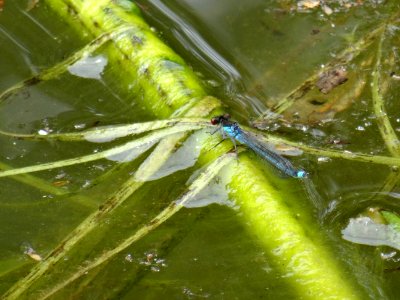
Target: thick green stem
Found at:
x=310, y=268
x=161, y=77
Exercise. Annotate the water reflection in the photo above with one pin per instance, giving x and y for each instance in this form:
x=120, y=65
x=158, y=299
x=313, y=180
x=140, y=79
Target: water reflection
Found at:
x=258, y=50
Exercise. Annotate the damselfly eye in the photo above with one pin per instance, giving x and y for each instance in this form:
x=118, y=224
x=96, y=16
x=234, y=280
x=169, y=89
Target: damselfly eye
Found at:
x=215, y=121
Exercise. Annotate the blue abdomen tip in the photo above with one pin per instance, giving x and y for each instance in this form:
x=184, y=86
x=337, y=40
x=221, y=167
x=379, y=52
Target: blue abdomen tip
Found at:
x=301, y=174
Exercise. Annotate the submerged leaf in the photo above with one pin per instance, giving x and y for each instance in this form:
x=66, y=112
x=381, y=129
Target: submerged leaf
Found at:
x=110, y=133
x=89, y=67
x=130, y=154
x=185, y=157
x=364, y=231
x=104, y=134
x=110, y=153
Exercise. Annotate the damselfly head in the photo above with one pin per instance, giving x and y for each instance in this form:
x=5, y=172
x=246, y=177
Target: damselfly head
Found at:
x=215, y=120
x=220, y=119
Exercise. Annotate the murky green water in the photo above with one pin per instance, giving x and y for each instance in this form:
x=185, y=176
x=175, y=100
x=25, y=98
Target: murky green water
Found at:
x=250, y=54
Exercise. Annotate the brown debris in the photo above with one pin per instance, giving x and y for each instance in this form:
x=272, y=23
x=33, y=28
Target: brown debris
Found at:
x=331, y=79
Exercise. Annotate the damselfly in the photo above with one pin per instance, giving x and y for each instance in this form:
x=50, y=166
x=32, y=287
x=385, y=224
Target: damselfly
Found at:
x=235, y=132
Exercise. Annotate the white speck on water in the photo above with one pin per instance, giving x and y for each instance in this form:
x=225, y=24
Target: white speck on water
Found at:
x=360, y=128
x=80, y=126
x=323, y=159
x=389, y=255
x=43, y=132
x=129, y=258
